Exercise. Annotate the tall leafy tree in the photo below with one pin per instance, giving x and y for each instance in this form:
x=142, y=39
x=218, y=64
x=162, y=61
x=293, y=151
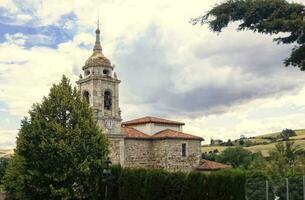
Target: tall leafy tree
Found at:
x=60, y=150
x=237, y=157
x=284, y=158
x=263, y=16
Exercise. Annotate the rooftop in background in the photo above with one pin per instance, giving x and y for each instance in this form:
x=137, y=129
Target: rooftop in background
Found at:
x=149, y=119
x=207, y=165
x=172, y=134
x=132, y=133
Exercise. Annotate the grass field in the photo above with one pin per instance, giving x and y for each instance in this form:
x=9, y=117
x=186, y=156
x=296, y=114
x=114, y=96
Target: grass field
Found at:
x=299, y=140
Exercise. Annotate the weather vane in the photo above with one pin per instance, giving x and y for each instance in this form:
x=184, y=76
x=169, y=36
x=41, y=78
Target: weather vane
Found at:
x=98, y=18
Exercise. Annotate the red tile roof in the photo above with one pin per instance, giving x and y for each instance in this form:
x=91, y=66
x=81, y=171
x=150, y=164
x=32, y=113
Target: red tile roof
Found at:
x=149, y=119
x=207, y=165
x=171, y=134
x=133, y=133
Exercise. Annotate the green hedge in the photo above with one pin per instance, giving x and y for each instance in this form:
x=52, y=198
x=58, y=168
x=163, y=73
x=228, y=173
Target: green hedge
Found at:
x=256, y=186
x=147, y=184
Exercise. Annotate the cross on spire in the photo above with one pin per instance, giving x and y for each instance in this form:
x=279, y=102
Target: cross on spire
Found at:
x=97, y=45
x=98, y=19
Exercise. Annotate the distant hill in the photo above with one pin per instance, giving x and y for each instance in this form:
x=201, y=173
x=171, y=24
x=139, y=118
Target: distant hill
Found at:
x=6, y=152
x=263, y=143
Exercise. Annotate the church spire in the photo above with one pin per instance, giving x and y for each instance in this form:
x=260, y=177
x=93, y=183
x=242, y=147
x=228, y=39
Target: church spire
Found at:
x=97, y=45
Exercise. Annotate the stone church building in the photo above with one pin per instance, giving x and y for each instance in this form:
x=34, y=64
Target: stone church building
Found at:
x=149, y=142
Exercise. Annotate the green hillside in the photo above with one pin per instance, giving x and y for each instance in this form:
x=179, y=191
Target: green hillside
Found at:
x=262, y=143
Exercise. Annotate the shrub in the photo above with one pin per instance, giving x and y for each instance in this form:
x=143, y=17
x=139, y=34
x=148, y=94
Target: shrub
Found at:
x=148, y=184
x=195, y=186
x=256, y=186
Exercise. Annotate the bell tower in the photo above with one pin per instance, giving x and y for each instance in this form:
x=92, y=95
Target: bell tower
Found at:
x=99, y=86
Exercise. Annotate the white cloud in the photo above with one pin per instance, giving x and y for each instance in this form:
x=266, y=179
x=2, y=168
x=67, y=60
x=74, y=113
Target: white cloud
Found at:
x=27, y=74
x=8, y=139
x=197, y=57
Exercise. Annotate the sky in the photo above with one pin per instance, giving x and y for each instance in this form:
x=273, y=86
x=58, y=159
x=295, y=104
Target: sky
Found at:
x=221, y=85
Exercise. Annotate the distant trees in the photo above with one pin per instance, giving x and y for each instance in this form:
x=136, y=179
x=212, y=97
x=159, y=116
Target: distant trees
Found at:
x=237, y=157
x=287, y=133
x=263, y=16
x=60, y=150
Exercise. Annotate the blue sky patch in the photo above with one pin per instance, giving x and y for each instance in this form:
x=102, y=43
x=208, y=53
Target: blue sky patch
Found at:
x=48, y=36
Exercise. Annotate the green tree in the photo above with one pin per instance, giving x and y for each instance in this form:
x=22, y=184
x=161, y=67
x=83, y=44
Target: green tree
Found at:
x=237, y=157
x=258, y=163
x=287, y=133
x=60, y=150
x=283, y=159
x=263, y=16
x=3, y=164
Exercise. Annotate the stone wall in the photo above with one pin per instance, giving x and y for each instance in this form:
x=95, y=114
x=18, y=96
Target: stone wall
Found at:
x=116, y=149
x=162, y=154
x=137, y=153
x=175, y=160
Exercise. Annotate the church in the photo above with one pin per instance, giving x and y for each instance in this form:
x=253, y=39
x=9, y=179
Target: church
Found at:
x=148, y=142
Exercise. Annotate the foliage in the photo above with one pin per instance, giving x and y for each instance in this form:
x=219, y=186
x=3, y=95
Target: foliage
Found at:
x=3, y=164
x=256, y=185
x=237, y=157
x=284, y=159
x=14, y=180
x=263, y=16
x=209, y=156
x=60, y=150
x=158, y=184
x=258, y=163
x=295, y=184
x=287, y=133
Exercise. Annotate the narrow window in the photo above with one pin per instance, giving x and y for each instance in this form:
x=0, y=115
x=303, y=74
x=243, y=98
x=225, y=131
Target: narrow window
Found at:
x=183, y=149
x=107, y=100
x=86, y=96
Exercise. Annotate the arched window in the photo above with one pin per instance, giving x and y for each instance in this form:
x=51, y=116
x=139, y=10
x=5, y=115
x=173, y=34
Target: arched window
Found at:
x=86, y=96
x=107, y=100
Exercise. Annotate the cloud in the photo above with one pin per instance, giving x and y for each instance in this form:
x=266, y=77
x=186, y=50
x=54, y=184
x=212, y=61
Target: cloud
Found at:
x=7, y=139
x=27, y=74
x=221, y=85
x=199, y=80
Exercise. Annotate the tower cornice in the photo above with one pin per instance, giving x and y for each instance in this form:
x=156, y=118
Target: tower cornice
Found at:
x=98, y=77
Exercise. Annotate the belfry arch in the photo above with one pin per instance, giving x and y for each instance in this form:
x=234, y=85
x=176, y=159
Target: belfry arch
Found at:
x=86, y=96
x=107, y=100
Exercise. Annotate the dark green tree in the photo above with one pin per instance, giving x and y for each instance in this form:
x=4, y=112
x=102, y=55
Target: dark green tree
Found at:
x=237, y=157
x=60, y=150
x=287, y=133
x=263, y=16
x=3, y=164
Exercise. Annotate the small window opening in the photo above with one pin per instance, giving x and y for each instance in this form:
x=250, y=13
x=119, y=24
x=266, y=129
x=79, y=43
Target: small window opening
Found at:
x=87, y=72
x=106, y=72
x=183, y=150
x=107, y=100
x=86, y=96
